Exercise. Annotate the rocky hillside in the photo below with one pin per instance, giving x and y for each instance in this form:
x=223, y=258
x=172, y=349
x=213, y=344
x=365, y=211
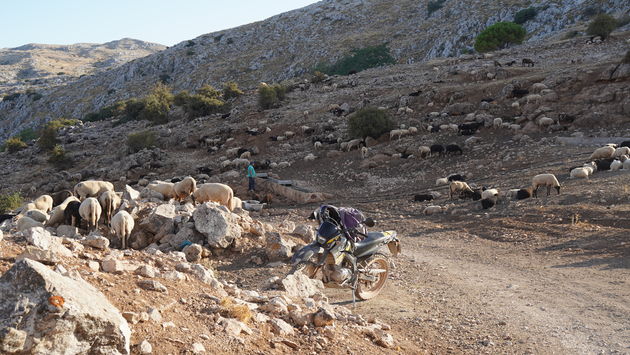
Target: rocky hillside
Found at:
x=38, y=66
x=292, y=43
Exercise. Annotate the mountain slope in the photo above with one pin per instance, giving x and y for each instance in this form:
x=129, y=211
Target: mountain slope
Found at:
x=292, y=43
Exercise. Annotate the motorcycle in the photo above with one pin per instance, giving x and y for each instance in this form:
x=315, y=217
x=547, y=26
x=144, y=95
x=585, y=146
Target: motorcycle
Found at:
x=340, y=262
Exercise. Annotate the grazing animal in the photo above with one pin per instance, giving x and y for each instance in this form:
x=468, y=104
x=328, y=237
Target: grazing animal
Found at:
x=37, y=215
x=90, y=210
x=110, y=201
x=603, y=153
x=43, y=203
x=518, y=93
x=422, y=197
x=5, y=216
x=454, y=148
x=522, y=194
x=424, y=151
x=458, y=187
x=456, y=177
x=437, y=148
x=71, y=214
x=509, y=64
x=527, y=62
x=216, y=192
x=603, y=164
x=122, y=224
x=164, y=188
x=616, y=165
x=60, y=196
x=624, y=144
x=434, y=129
x=364, y=152
x=58, y=213
x=429, y=210
x=580, y=172
x=490, y=194
x=184, y=188
x=92, y=188
x=441, y=181
x=487, y=203
x=621, y=151
x=548, y=180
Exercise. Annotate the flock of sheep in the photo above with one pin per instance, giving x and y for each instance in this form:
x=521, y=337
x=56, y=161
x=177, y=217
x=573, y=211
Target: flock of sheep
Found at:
x=90, y=200
x=609, y=157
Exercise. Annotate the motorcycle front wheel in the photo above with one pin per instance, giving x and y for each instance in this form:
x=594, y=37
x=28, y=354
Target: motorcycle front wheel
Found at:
x=373, y=273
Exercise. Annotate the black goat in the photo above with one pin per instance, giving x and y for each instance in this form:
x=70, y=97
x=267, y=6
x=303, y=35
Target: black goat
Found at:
x=416, y=93
x=204, y=170
x=518, y=93
x=435, y=129
x=60, y=196
x=523, y=194
x=509, y=64
x=624, y=144
x=456, y=177
x=72, y=211
x=487, y=203
x=437, y=148
x=603, y=164
x=422, y=197
x=528, y=62
x=453, y=148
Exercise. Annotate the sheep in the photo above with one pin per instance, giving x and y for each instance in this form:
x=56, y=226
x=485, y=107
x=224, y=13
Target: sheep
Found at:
x=122, y=224
x=24, y=223
x=453, y=127
x=57, y=215
x=317, y=145
x=624, y=144
x=397, y=132
x=487, y=203
x=110, y=201
x=71, y=214
x=528, y=62
x=184, y=188
x=497, y=122
x=533, y=98
x=240, y=163
x=458, y=187
x=60, y=196
x=521, y=194
x=616, y=165
x=215, y=192
x=441, y=181
x=310, y=157
x=538, y=87
x=456, y=177
x=437, y=148
x=453, y=148
x=37, y=215
x=412, y=130
x=472, y=140
x=90, y=210
x=355, y=143
x=164, y=188
x=515, y=104
x=423, y=197
x=289, y=134
x=236, y=203
x=429, y=210
x=518, y=93
x=621, y=151
x=424, y=151
x=364, y=152
x=91, y=188
x=490, y=194
x=603, y=164
x=602, y=153
x=246, y=155
x=44, y=203
x=283, y=165
x=582, y=173
x=548, y=180
x=545, y=121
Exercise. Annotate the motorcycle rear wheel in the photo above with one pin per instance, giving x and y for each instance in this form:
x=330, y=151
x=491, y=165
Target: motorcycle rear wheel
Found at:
x=378, y=266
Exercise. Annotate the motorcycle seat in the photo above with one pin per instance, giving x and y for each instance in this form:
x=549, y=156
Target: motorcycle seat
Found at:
x=373, y=239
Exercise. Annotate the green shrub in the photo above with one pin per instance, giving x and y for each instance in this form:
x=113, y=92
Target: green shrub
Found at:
x=59, y=159
x=601, y=26
x=199, y=105
x=156, y=105
x=318, y=77
x=433, y=6
x=14, y=144
x=525, y=15
x=269, y=96
x=27, y=134
x=9, y=202
x=140, y=140
x=499, y=36
x=369, y=122
x=209, y=91
x=48, y=134
x=231, y=90
x=358, y=60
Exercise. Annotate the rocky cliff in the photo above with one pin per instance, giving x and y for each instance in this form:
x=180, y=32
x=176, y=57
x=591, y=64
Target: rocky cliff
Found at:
x=292, y=43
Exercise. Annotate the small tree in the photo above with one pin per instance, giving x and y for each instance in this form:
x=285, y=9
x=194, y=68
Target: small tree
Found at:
x=270, y=95
x=14, y=144
x=59, y=159
x=157, y=104
x=231, y=90
x=358, y=60
x=602, y=25
x=140, y=140
x=209, y=92
x=9, y=202
x=525, y=15
x=500, y=35
x=369, y=122
x=48, y=134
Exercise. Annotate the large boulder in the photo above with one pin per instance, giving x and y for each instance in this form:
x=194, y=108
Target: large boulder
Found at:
x=43, y=312
x=217, y=223
x=158, y=223
x=42, y=239
x=278, y=248
x=298, y=285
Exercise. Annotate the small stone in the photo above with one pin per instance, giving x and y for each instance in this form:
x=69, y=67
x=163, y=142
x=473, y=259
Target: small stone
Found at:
x=193, y=252
x=168, y=325
x=152, y=285
x=281, y=327
x=94, y=265
x=112, y=265
x=96, y=241
x=323, y=318
x=198, y=348
x=174, y=275
x=145, y=347
x=146, y=271
x=154, y=315
x=131, y=317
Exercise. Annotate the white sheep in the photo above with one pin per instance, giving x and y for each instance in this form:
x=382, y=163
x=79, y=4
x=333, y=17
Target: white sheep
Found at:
x=515, y=126
x=626, y=164
x=453, y=127
x=318, y=145
x=226, y=164
x=43, y=203
x=603, y=153
x=216, y=192
x=621, y=151
x=497, y=122
x=92, y=188
x=236, y=203
x=122, y=224
x=538, y=87
x=441, y=181
x=533, y=98
x=305, y=129
x=36, y=215
x=57, y=215
x=110, y=201
x=283, y=165
x=289, y=134
x=515, y=104
x=240, y=163
x=90, y=210
x=397, y=132
x=432, y=209
x=424, y=151
x=616, y=165
x=444, y=127
x=246, y=155
x=364, y=152
x=490, y=194
x=548, y=180
x=163, y=187
x=413, y=130
x=582, y=173
x=232, y=153
x=458, y=187
x=545, y=121
x=310, y=157
x=183, y=189
x=355, y=143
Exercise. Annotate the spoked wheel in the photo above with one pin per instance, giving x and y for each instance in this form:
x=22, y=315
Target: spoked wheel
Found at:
x=373, y=273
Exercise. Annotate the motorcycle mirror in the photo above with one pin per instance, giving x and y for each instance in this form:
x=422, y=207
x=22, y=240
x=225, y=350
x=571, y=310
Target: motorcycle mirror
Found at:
x=369, y=222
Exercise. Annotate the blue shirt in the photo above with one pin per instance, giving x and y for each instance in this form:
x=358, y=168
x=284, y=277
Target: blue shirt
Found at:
x=250, y=171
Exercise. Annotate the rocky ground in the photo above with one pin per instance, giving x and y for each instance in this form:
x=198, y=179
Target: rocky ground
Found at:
x=546, y=275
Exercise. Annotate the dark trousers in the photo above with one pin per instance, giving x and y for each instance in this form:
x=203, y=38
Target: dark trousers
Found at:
x=252, y=184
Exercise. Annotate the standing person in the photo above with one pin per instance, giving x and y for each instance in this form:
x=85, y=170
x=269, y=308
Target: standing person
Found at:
x=251, y=175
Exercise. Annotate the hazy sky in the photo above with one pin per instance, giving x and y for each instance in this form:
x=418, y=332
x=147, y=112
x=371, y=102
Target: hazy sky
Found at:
x=162, y=21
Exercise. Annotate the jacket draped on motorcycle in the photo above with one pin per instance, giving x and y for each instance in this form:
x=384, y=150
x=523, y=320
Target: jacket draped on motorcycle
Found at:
x=350, y=219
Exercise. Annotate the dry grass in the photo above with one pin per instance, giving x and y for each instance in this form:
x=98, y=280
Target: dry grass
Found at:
x=238, y=311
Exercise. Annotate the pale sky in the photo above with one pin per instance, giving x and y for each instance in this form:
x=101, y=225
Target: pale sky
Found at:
x=165, y=22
